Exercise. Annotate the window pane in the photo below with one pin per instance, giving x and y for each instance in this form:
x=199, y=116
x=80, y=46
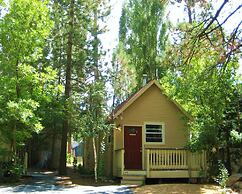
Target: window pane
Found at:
x=152, y=139
x=153, y=133
x=151, y=130
x=132, y=131
x=154, y=126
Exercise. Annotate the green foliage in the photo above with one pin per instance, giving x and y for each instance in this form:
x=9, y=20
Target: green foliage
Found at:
x=69, y=158
x=236, y=137
x=202, y=77
x=84, y=171
x=101, y=167
x=142, y=40
x=23, y=31
x=37, y=36
x=204, y=88
x=24, y=83
x=11, y=171
x=93, y=116
x=75, y=51
x=222, y=176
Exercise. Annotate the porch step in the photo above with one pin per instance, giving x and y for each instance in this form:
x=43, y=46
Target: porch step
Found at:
x=135, y=172
x=133, y=180
x=133, y=177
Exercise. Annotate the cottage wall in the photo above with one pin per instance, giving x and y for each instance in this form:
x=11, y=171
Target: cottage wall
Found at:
x=150, y=106
x=153, y=106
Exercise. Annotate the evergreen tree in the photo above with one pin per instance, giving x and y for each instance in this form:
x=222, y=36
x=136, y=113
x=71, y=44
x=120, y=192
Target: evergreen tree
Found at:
x=142, y=39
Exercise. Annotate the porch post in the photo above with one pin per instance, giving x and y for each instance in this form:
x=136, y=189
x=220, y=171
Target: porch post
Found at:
x=189, y=158
x=122, y=162
x=148, y=163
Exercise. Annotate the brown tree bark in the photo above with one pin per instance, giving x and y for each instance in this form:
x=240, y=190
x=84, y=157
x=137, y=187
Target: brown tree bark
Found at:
x=66, y=122
x=95, y=157
x=96, y=76
x=189, y=10
x=53, y=151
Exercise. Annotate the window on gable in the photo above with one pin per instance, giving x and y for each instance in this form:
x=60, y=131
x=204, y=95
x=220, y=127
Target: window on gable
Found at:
x=154, y=133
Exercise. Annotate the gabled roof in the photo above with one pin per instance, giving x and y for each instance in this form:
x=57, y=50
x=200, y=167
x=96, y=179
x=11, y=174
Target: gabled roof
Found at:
x=125, y=104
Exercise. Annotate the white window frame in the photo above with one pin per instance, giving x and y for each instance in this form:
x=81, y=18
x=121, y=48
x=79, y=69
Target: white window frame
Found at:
x=162, y=131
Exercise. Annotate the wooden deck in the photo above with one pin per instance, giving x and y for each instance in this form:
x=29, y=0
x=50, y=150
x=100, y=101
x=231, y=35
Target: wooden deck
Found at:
x=165, y=163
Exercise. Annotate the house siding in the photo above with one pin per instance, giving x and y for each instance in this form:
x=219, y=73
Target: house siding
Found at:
x=153, y=106
x=118, y=135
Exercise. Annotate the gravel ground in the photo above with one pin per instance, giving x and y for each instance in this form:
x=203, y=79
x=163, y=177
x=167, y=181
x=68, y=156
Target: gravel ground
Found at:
x=47, y=189
x=42, y=183
x=180, y=189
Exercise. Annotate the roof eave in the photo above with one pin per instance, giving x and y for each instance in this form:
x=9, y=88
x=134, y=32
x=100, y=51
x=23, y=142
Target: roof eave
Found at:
x=139, y=93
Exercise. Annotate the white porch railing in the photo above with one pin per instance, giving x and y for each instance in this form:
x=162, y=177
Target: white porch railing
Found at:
x=165, y=162
x=174, y=159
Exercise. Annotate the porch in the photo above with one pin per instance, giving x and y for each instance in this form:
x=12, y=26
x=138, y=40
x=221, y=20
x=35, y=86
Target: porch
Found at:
x=164, y=163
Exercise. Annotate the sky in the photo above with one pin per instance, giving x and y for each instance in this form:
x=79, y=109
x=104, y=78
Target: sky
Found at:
x=110, y=38
x=176, y=13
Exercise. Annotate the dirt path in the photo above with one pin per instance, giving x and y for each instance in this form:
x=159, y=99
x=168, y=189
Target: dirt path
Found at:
x=47, y=182
x=50, y=182
x=179, y=189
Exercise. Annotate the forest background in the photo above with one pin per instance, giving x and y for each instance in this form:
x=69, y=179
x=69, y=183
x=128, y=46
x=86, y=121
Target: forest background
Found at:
x=58, y=62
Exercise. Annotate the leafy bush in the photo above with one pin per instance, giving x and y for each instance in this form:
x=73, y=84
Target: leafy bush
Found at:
x=10, y=171
x=223, y=175
x=101, y=166
x=84, y=171
x=69, y=158
x=236, y=137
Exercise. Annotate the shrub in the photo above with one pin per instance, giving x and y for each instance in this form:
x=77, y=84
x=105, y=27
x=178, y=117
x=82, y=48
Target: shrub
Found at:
x=223, y=175
x=84, y=171
x=10, y=171
x=69, y=158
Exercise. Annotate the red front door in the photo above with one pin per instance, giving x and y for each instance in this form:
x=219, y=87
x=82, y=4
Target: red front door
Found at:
x=133, y=147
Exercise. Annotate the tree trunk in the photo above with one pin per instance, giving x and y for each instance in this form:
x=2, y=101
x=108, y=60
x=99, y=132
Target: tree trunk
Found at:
x=228, y=159
x=13, y=140
x=238, y=113
x=66, y=124
x=17, y=88
x=69, y=151
x=189, y=12
x=95, y=157
x=189, y=5
x=96, y=77
x=53, y=152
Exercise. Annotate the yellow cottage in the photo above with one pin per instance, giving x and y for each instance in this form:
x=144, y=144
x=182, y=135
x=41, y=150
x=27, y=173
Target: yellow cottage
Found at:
x=149, y=139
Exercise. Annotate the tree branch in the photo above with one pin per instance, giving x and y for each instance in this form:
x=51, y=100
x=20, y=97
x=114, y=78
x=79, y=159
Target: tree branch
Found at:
x=219, y=25
x=213, y=18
